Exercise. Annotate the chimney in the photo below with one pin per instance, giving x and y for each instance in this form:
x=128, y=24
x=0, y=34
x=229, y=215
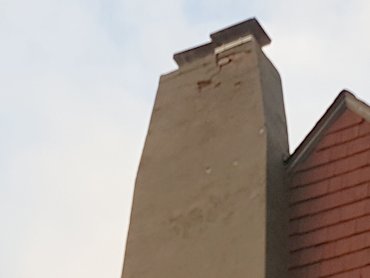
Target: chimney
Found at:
x=210, y=196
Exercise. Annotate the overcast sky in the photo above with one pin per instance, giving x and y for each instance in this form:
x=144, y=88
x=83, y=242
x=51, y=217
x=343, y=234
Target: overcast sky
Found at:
x=77, y=84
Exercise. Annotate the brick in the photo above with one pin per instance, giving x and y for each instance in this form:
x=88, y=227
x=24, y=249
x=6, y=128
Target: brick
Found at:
x=337, y=152
x=345, y=263
x=350, y=163
x=332, y=169
x=340, y=231
x=308, y=240
x=328, y=141
x=329, y=201
x=335, y=183
x=348, y=134
x=320, y=220
x=358, y=145
x=330, y=205
x=316, y=174
x=295, y=260
x=365, y=272
x=359, y=241
x=358, y=212
x=347, y=119
x=293, y=227
x=339, y=247
x=332, y=266
x=340, y=137
x=328, y=234
x=309, y=224
x=316, y=158
x=298, y=272
x=362, y=224
x=329, y=250
x=357, y=259
x=350, y=274
x=364, y=128
x=332, y=249
x=309, y=192
x=311, y=271
x=306, y=256
x=354, y=210
x=296, y=180
x=356, y=176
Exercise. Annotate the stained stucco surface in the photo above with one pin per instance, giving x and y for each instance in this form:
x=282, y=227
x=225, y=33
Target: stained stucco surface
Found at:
x=199, y=206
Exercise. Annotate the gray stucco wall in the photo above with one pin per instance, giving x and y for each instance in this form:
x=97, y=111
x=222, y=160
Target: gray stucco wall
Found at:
x=210, y=170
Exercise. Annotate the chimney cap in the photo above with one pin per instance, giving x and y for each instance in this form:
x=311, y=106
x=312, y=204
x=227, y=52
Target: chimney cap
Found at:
x=224, y=36
x=192, y=54
x=242, y=29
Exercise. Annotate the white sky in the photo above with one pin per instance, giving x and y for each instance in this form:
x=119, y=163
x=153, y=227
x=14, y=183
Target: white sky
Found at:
x=77, y=83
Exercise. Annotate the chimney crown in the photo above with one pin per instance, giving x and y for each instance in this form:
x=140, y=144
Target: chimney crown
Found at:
x=222, y=37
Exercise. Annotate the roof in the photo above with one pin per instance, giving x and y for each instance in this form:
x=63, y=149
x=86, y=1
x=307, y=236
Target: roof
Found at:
x=345, y=100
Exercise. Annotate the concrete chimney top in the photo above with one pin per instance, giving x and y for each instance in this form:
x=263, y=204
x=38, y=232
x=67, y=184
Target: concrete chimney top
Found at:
x=250, y=27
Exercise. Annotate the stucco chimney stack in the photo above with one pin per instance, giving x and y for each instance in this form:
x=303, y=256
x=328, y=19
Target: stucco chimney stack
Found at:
x=210, y=197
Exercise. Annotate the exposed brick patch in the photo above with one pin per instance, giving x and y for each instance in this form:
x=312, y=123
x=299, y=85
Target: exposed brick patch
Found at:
x=330, y=204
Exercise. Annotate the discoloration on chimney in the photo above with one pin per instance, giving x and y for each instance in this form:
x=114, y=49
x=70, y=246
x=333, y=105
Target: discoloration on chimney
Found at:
x=209, y=196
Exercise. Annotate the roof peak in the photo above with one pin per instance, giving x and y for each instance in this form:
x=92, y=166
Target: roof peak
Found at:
x=345, y=100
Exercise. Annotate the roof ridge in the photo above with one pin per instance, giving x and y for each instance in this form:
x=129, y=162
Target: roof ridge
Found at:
x=344, y=100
